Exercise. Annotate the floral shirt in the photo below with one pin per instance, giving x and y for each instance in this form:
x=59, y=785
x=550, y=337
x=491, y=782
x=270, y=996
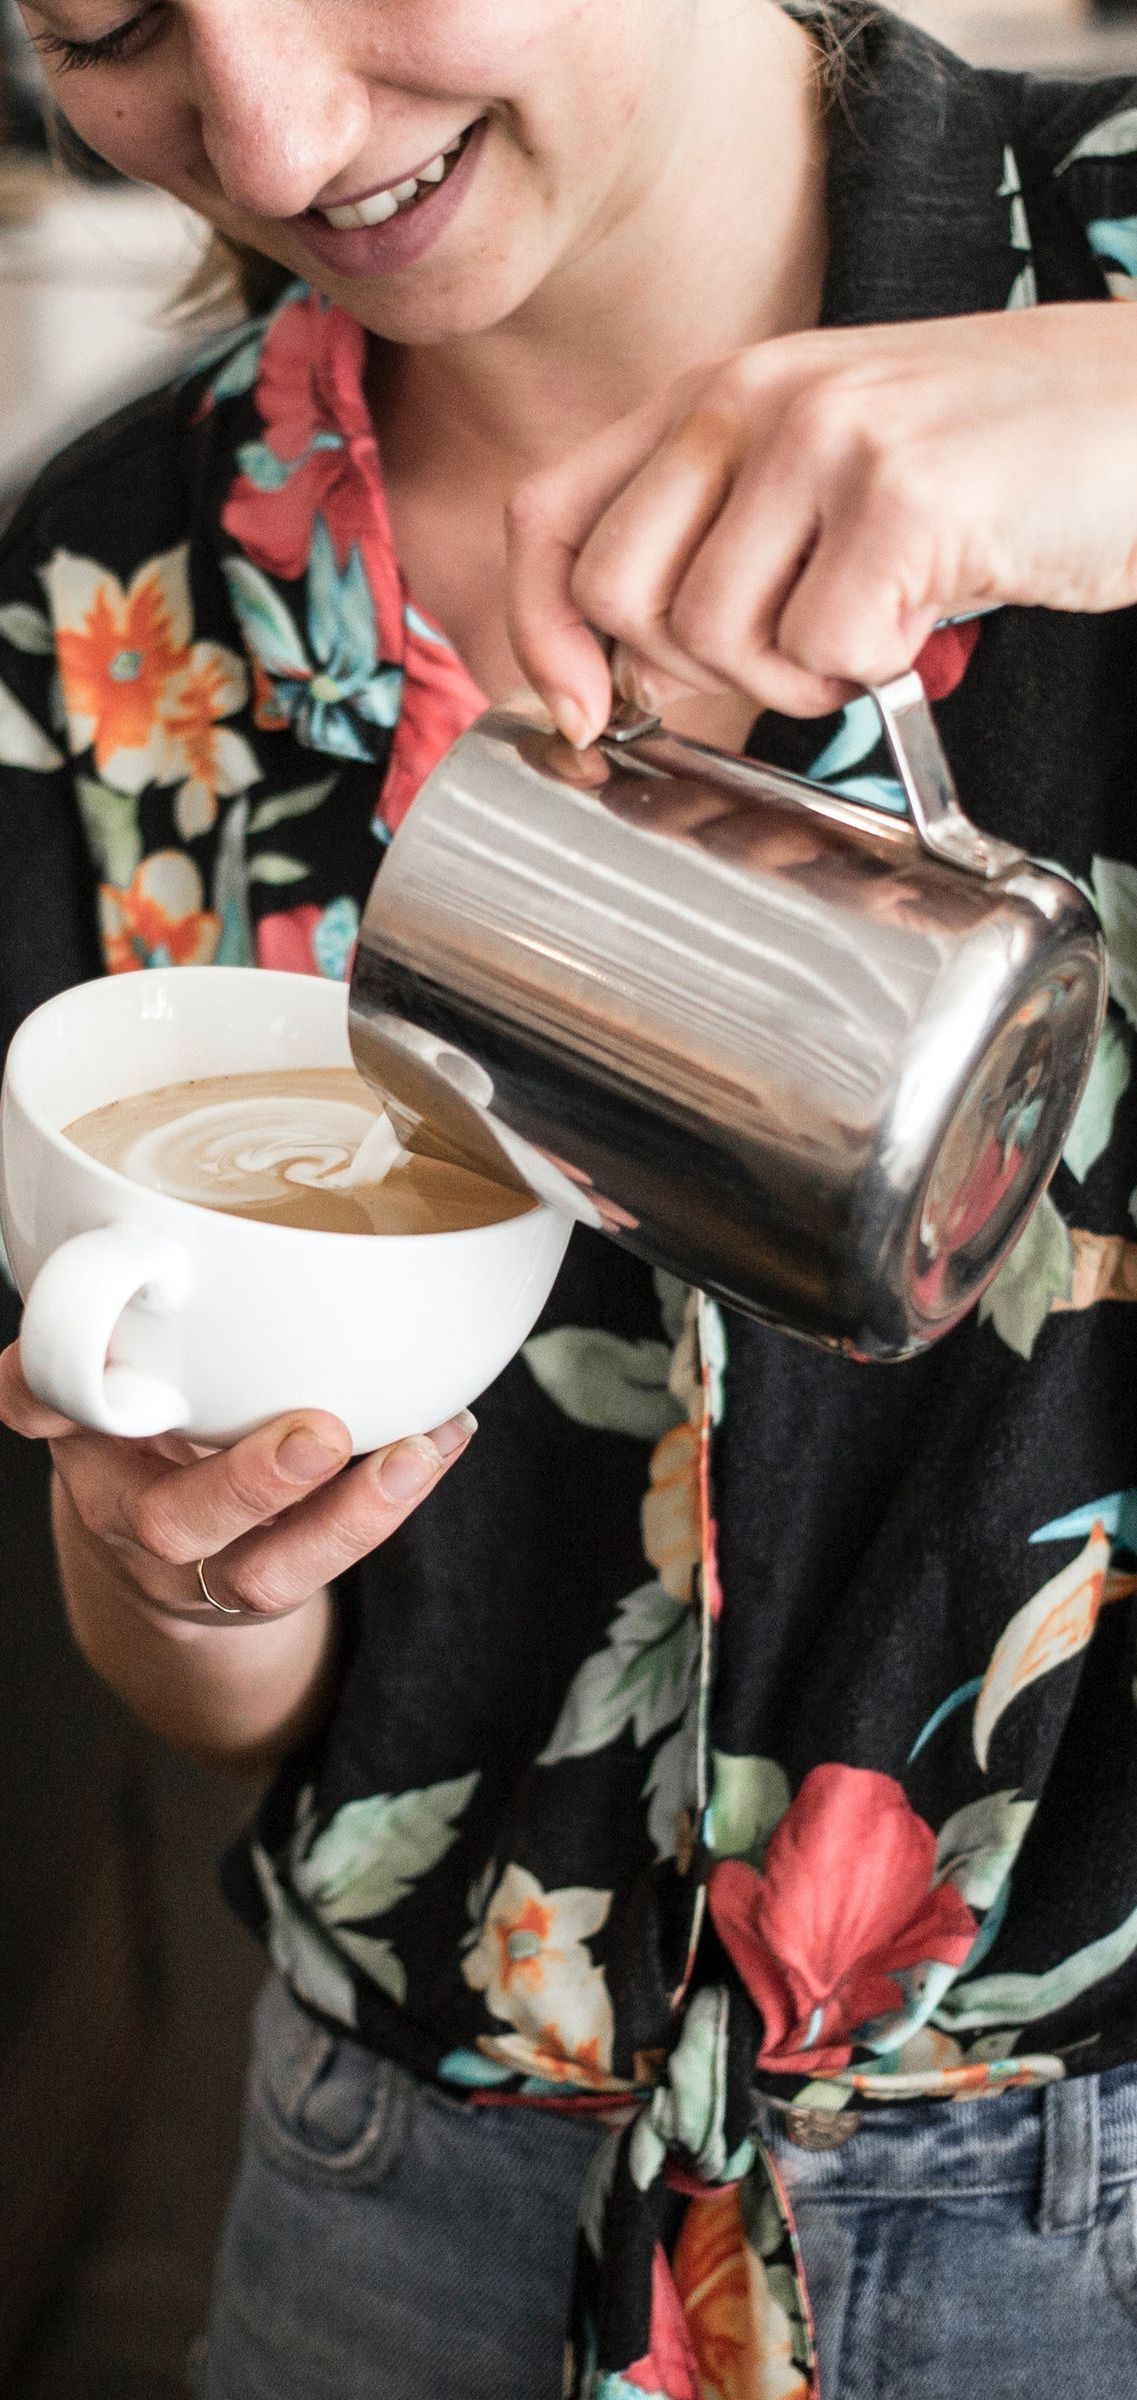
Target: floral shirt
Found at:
x=733, y=1716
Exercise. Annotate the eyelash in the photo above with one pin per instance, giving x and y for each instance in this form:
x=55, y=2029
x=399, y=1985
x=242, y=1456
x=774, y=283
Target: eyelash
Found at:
x=106, y=52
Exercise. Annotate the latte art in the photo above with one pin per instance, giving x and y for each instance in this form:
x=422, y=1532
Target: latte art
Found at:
x=307, y=1147
x=249, y=1150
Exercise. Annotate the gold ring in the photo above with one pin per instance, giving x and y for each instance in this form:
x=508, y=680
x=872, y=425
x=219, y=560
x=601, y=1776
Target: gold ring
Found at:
x=206, y=1594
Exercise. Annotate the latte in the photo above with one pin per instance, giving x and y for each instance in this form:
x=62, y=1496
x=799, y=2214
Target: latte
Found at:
x=287, y=1148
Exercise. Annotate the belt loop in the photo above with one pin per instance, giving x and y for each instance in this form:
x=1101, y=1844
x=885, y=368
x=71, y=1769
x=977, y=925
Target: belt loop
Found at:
x=1070, y=2181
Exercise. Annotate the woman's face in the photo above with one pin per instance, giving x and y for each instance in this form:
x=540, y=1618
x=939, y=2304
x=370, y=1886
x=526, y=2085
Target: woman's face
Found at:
x=271, y=117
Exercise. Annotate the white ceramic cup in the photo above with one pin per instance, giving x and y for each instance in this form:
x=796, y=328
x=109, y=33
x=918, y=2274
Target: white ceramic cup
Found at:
x=145, y=1314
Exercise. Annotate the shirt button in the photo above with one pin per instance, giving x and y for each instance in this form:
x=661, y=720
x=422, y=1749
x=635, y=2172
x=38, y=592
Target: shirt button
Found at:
x=821, y=2128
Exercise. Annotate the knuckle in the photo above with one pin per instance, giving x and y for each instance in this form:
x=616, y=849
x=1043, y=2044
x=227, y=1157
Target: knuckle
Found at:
x=256, y=1585
x=824, y=416
x=247, y=1483
x=696, y=623
x=156, y=1530
x=604, y=595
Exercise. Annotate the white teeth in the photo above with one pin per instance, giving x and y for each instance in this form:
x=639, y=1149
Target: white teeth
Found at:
x=383, y=205
x=376, y=210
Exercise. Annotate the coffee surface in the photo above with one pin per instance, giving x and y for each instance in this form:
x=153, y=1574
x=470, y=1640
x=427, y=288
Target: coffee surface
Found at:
x=281, y=1147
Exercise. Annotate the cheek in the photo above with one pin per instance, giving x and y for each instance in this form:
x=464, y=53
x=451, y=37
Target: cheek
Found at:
x=146, y=139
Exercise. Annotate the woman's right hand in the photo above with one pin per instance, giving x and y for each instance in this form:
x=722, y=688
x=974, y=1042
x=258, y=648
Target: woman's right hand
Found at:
x=275, y=1518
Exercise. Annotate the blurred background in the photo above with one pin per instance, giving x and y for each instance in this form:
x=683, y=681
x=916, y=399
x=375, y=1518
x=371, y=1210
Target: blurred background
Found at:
x=124, y=1984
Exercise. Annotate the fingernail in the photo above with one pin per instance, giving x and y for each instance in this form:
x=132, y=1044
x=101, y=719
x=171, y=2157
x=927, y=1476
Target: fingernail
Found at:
x=409, y=1469
x=302, y=1457
x=571, y=721
x=450, y=1437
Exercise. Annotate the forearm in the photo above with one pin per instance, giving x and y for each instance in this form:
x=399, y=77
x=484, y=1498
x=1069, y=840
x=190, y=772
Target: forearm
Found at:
x=237, y=1695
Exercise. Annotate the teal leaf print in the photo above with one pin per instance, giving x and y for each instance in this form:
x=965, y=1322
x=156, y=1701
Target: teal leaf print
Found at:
x=110, y=822
x=873, y=791
x=947, y=1708
x=334, y=938
x=1115, y=1512
x=856, y=738
x=270, y=866
x=1038, y=1271
x=602, y=1381
x=978, y=1846
x=641, y=1678
x=1109, y=1075
x=301, y=1952
x=1115, y=137
x=375, y=1851
x=230, y=890
x=265, y=471
x=267, y=625
x=23, y=743
x=1115, y=894
x=239, y=373
x=749, y=1797
x=1115, y=238
x=1023, y=1999
x=268, y=813
x=713, y=1353
x=27, y=629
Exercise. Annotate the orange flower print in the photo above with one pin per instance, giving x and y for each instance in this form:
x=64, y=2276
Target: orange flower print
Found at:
x=214, y=759
x=139, y=690
x=532, y=1965
x=158, y=920
x=671, y=1512
x=740, y=2334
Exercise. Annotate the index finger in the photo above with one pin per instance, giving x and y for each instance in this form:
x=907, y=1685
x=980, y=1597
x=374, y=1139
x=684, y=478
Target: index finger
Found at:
x=548, y=522
x=19, y=1407
x=197, y=1509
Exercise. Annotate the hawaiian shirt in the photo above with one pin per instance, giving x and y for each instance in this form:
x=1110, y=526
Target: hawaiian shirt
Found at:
x=734, y=1718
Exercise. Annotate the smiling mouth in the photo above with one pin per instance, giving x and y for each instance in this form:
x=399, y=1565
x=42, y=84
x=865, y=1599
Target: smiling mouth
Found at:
x=397, y=199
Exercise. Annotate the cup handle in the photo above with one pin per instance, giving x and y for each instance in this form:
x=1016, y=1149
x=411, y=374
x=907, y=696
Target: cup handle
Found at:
x=70, y=1315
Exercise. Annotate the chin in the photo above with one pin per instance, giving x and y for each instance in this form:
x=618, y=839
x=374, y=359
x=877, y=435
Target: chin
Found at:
x=464, y=303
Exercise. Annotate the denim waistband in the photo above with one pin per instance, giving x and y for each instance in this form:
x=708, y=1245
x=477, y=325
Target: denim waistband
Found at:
x=1063, y=2141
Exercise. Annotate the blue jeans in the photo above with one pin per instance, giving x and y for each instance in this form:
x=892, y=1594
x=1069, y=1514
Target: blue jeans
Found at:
x=386, y=2242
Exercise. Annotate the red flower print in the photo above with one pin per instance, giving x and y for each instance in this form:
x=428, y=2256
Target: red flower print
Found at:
x=844, y=1903
x=944, y=660
x=285, y=940
x=316, y=420
x=670, y=2363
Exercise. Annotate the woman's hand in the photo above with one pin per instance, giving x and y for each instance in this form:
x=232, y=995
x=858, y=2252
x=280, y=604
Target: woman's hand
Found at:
x=790, y=523
x=275, y=1518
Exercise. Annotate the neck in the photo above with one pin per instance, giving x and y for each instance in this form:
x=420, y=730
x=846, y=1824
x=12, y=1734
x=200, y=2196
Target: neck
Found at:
x=721, y=245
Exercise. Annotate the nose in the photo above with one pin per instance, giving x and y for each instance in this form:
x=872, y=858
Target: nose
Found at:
x=282, y=113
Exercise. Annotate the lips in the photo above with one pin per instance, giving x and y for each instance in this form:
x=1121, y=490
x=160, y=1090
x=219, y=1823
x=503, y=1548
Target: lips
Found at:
x=364, y=250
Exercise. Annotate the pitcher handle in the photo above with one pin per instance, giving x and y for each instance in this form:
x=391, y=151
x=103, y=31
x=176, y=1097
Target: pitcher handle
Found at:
x=928, y=784
x=941, y=823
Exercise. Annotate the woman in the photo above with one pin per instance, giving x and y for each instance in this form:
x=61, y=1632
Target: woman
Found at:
x=675, y=1866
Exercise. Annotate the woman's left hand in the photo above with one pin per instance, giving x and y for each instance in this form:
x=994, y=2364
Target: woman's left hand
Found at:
x=791, y=522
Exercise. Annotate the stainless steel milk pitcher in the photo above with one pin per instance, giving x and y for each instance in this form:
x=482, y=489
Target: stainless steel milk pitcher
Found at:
x=815, y=1058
